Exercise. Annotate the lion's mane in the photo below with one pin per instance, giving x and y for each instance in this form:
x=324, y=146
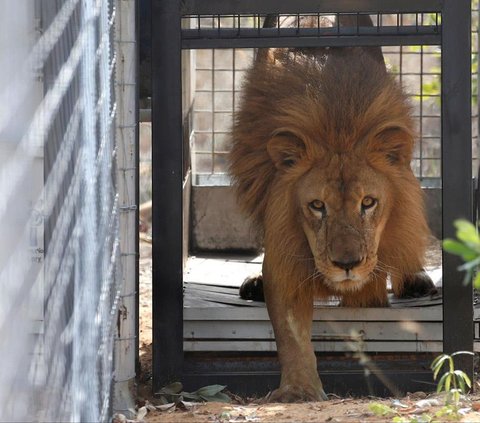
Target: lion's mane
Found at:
x=342, y=101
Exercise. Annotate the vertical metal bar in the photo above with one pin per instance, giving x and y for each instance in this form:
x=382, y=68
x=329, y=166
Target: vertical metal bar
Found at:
x=420, y=129
x=167, y=192
x=476, y=214
x=127, y=158
x=234, y=75
x=456, y=172
x=212, y=167
x=137, y=190
x=420, y=126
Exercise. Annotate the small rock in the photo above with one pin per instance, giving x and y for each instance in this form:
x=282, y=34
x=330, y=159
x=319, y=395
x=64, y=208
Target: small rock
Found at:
x=150, y=407
x=425, y=403
x=418, y=395
x=142, y=412
x=166, y=407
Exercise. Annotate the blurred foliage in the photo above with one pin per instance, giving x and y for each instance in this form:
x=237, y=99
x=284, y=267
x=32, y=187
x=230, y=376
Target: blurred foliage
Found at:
x=467, y=246
x=433, y=85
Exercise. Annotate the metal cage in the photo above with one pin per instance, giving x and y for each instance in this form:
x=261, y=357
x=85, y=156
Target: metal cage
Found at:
x=170, y=34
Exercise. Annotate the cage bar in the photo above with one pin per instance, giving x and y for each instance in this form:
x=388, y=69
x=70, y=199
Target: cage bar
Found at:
x=193, y=7
x=167, y=179
x=167, y=282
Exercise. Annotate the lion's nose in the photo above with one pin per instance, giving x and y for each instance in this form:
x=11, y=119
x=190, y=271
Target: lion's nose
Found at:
x=347, y=264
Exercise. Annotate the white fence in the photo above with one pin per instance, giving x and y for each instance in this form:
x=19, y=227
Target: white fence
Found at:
x=61, y=280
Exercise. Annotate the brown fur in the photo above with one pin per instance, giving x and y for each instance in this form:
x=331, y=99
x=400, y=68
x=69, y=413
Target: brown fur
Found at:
x=339, y=106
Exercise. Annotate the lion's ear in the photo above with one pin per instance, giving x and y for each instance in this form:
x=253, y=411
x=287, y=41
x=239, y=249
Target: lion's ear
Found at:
x=285, y=150
x=396, y=144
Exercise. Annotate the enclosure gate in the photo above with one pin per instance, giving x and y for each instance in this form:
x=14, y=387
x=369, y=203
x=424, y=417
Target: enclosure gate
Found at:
x=169, y=37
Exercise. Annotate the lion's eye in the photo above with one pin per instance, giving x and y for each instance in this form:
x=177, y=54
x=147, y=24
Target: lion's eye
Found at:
x=368, y=203
x=317, y=206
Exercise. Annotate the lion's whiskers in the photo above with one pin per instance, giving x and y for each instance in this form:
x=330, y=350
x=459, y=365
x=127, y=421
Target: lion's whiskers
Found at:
x=312, y=277
x=393, y=272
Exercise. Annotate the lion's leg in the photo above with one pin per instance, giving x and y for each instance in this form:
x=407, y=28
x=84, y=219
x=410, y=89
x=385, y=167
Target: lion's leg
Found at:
x=413, y=285
x=372, y=294
x=292, y=324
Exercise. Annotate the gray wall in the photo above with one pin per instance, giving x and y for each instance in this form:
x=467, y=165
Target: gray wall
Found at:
x=217, y=224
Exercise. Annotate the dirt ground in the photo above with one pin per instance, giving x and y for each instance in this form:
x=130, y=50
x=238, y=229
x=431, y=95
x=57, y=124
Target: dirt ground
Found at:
x=338, y=410
x=416, y=407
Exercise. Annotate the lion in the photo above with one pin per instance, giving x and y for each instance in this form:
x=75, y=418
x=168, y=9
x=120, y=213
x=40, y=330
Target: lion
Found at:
x=321, y=150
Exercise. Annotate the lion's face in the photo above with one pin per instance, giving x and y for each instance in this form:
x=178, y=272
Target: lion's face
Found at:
x=344, y=206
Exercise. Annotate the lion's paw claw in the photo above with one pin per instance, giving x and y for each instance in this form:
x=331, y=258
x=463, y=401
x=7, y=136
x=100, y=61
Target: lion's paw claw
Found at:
x=252, y=289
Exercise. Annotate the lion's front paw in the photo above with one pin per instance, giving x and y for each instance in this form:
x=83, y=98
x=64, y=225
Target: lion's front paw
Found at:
x=293, y=393
x=417, y=285
x=252, y=289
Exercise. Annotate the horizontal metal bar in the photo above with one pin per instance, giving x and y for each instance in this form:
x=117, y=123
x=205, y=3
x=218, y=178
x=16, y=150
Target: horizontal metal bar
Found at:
x=331, y=41
x=323, y=314
x=224, y=7
x=360, y=31
x=257, y=345
x=256, y=374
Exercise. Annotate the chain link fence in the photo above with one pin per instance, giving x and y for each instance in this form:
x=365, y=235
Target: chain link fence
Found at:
x=60, y=261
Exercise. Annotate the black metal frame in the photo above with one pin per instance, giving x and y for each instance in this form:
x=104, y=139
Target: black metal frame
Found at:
x=168, y=39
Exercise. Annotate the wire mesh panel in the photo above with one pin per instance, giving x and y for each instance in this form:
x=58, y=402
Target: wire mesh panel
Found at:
x=449, y=29
x=59, y=276
x=219, y=74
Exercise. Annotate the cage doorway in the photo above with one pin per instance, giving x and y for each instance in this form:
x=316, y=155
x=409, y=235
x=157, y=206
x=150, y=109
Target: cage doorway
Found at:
x=224, y=25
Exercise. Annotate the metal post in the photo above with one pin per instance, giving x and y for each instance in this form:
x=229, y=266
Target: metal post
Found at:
x=167, y=192
x=456, y=173
x=127, y=168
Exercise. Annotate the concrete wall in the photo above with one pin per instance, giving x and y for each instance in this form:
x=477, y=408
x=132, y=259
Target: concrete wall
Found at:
x=217, y=224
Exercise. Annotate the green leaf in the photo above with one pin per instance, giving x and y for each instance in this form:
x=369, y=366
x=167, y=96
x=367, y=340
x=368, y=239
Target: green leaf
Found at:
x=454, y=247
x=470, y=265
x=163, y=400
x=219, y=397
x=463, y=353
x=381, y=409
x=173, y=389
x=462, y=376
x=455, y=398
x=467, y=232
x=208, y=393
x=210, y=390
x=437, y=364
x=192, y=396
x=448, y=381
x=437, y=359
x=441, y=382
x=414, y=49
x=427, y=418
x=461, y=384
x=476, y=281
